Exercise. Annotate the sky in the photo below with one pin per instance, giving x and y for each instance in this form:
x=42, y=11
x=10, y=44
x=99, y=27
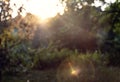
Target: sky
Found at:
x=43, y=8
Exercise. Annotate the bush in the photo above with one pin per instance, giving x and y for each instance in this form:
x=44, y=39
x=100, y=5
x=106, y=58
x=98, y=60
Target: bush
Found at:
x=52, y=57
x=48, y=57
x=20, y=59
x=15, y=53
x=82, y=67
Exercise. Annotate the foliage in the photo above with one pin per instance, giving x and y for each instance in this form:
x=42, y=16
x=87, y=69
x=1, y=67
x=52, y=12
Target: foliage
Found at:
x=15, y=47
x=48, y=57
x=112, y=42
x=87, y=66
x=80, y=29
x=72, y=30
x=15, y=52
x=5, y=12
x=96, y=58
x=52, y=57
x=104, y=25
x=81, y=26
x=20, y=59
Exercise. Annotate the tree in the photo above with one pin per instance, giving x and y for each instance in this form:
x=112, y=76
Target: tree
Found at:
x=11, y=30
x=5, y=13
x=80, y=25
x=112, y=42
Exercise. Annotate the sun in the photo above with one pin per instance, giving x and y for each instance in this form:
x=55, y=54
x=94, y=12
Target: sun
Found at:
x=41, y=8
x=44, y=8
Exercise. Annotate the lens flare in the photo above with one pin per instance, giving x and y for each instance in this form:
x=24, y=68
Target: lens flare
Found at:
x=74, y=71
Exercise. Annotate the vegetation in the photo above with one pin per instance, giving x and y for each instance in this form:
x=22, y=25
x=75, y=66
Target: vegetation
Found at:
x=85, y=36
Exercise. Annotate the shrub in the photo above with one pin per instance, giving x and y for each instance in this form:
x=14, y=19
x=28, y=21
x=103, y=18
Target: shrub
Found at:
x=52, y=57
x=82, y=67
x=20, y=59
x=48, y=57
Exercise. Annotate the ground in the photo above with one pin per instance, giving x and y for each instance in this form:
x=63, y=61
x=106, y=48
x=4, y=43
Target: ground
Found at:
x=50, y=75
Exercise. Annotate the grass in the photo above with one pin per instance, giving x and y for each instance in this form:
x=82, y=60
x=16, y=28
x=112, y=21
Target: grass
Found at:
x=33, y=76
x=102, y=74
x=90, y=68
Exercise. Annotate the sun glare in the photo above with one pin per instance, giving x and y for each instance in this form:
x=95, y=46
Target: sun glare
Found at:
x=74, y=71
x=41, y=8
x=44, y=9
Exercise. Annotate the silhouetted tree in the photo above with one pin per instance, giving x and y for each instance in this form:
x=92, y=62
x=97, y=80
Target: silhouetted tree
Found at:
x=112, y=42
